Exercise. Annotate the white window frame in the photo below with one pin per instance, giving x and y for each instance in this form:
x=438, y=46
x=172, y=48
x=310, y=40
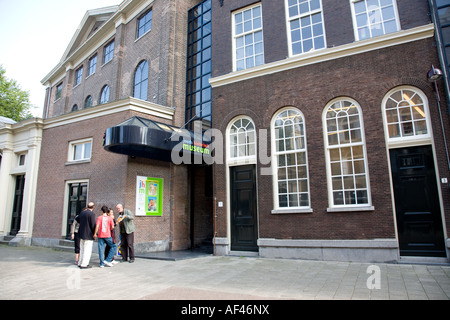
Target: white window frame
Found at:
x=289, y=19
x=83, y=143
x=105, y=95
x=248, y=158
x=355, y=24
x=275, y=157
x=243, y=34
x=346, y=207
x=409, y=139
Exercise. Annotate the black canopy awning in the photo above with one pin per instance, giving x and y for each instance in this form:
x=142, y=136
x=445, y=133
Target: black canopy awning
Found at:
x=145, y=138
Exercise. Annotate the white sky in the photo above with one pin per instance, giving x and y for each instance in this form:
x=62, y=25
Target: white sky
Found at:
x=34, y=35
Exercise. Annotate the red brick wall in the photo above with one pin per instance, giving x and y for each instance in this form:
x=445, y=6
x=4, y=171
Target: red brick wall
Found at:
x=112, y=178
x=164, y=49
x=366, y=78
x=337, y=18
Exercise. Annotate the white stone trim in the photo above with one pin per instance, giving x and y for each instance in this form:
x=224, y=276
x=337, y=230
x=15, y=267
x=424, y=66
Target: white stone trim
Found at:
x=357, y=47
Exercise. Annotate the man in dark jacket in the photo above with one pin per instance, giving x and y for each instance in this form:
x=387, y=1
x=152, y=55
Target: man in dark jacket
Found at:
x=86, y=219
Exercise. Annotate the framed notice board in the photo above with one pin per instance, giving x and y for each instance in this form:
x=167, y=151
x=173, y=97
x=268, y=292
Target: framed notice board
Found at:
x=149, y=196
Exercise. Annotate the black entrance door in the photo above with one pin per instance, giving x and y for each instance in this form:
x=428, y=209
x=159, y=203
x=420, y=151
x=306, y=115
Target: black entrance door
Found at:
x=244, y=226
x=77, y=202
x=417, y=205
x=17, y=206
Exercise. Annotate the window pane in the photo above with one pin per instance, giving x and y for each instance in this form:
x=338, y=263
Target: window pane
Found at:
x=306, y=31
x=87, y=150
x=338, y=198
x=405, y=114
x=243, y=137
x=77, y=153
x=249, y=47
x=141, y=81
x=282, y=201
x=347, y=161
x=374, y=18
x=292, y=166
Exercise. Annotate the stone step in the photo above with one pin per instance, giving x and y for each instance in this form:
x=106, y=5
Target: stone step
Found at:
x=6, y=240
x=65, y=245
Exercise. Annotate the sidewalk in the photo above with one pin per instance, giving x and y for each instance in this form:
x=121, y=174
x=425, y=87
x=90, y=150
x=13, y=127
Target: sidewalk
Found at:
x=44, y=274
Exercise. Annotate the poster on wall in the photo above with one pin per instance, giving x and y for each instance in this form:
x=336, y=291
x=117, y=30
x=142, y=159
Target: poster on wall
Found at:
x=149, y=197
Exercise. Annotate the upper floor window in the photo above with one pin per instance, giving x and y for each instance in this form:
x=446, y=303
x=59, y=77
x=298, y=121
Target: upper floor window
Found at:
x=104, y=96
x=348, y=180
x=141, y=81
x=80, y=150
x=305, y=25
x=88, y=102
x=22, y=158
x=78, y=76
x=144, y=24
x=406, y=114
x=92, y=65
x=242, y=139
x=108, y=52
x=248, y=38
x=290, y=157
x=373, y=18
x=59, y=88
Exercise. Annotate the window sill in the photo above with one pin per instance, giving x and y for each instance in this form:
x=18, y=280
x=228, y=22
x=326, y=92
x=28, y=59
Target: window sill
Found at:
x=351, y=209
x=107, y=62
x=291, y=211
x=70, y=163
x=143, y=35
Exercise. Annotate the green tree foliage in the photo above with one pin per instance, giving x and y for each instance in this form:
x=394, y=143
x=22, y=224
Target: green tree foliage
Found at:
x=14, y=102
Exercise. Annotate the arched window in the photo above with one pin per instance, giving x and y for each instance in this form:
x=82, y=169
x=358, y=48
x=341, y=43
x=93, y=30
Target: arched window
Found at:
x=141, y=81
x=88, y=102
x=348, y=181
x=242, y=139
x=104, y=96
x=75, y=108
x=406, y=114
x=291, y=159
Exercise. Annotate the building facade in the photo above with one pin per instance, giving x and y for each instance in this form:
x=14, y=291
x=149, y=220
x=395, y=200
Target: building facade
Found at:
x=20, y=146
x=329, y=120
x=336, y=142
x=125, y=67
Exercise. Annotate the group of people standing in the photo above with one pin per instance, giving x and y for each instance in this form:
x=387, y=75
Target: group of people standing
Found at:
x=86, y=228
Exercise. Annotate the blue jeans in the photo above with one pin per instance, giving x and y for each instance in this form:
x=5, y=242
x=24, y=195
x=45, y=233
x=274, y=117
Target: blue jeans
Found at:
x=102, y=242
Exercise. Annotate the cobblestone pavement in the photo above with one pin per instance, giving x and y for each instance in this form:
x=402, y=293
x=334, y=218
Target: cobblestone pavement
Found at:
x=44, y=274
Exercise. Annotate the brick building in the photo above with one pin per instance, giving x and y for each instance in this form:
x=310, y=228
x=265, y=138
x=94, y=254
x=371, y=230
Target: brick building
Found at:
x=330, y=127
x=336, y=147
x=126, y=64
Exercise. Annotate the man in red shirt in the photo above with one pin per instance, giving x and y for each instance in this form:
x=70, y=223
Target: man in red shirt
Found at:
x=103, y=228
